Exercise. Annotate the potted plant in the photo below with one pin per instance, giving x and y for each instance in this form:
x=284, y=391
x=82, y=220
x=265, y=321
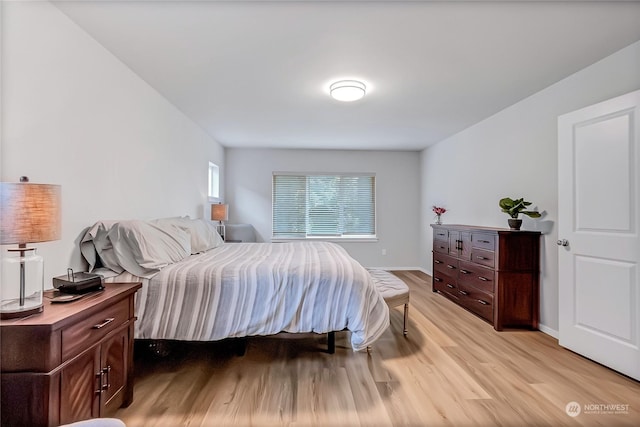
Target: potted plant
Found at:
x=514, y=208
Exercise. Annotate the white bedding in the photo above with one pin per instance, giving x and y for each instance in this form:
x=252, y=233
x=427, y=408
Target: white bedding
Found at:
x=244, y=289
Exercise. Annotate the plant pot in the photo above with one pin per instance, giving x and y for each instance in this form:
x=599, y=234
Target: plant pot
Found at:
x=515, y=224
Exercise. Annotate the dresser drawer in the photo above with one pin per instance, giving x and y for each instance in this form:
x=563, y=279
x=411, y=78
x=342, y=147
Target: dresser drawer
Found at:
x=92, y=329
x=483, y=241
x=474, y=275
x=441, y=235
x=446, y=284
x=441, y=246
x=446, y=264
x=484, y=257
x=476, y=301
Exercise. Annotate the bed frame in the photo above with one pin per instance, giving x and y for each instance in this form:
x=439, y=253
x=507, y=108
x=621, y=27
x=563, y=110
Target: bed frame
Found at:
x=161, y=348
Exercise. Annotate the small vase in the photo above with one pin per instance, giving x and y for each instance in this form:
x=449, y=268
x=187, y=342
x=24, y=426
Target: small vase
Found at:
x=438, y=220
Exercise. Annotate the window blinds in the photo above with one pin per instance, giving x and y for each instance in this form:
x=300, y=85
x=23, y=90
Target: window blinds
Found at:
x=323, y=205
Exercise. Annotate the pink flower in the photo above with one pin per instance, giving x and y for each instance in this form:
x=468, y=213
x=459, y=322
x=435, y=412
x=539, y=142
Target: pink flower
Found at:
x=438, y=210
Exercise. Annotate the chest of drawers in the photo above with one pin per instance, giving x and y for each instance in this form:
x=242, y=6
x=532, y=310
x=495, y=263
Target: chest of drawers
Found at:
x=71, y=362
x=492, y=272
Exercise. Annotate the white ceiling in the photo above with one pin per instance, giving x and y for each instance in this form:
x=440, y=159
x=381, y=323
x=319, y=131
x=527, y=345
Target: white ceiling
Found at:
x=255, y=74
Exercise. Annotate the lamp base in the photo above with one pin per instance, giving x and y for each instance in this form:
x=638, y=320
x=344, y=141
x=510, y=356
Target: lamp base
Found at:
x=12, y=310
x=221, y=230
x=22, y=284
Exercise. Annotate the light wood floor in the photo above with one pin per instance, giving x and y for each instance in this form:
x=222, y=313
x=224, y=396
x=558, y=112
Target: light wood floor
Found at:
x=452, y=370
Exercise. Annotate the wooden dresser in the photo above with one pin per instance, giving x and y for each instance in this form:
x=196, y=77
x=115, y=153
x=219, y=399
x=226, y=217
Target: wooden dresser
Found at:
x=492, y=272
x=71, y=362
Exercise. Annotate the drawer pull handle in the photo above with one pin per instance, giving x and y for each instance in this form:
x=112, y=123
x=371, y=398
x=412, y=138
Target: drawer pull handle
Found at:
x=107, y=372
x=437, y=279
x=103, y=324
x=464, y=271
x=484, y=279
x=441, y=247
x=463, y=292
x=483, y=302
x=481, y=257
x=484, y=241
x=450, y=286
x=437, y=262
x=451, y=266
x=99, y=378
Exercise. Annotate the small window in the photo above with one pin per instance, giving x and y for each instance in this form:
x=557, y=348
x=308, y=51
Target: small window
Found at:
x=214, y=181
x=324, y=205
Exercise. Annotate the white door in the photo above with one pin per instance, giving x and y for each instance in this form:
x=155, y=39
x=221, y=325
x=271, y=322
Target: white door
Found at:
x=598, y=192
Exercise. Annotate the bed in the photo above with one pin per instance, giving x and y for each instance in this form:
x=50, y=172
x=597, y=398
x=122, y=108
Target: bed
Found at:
x=197, y=288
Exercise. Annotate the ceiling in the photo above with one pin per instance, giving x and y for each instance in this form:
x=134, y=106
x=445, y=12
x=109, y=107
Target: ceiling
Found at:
x=255, y=74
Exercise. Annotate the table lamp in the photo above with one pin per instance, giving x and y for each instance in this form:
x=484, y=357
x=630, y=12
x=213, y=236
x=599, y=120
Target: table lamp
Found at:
x=220, y=212
x=29, y=213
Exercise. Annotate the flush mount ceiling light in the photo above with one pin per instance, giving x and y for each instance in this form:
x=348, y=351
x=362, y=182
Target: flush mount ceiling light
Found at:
x=347, y=90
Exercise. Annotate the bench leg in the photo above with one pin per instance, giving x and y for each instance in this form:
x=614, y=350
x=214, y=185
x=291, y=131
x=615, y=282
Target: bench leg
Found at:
x=405, y=331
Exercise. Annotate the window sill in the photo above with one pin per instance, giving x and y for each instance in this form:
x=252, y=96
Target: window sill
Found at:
x=344, y=239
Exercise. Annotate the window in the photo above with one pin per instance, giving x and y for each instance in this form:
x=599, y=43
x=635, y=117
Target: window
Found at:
x=214, y=181
x=322, y=205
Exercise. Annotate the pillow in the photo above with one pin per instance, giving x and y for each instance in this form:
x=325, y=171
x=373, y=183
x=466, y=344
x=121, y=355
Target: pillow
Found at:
x=203, y=233
x=96, y=242
x=105, y=248
x=88, y=249
x=143, y=248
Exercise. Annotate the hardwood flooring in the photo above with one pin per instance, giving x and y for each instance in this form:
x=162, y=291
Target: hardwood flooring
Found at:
x=453, y=369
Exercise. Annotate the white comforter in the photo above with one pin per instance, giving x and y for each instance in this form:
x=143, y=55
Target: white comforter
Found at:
x=244, y=289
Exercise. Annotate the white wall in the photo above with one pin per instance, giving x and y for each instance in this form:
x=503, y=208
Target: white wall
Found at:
x=514, y=153
x=248, y=189
x=74, y=115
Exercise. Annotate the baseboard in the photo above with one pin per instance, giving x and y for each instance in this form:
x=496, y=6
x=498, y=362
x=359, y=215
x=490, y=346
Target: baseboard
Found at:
x=542, y=328
x=400, y=268
x=427, y=272
x=547, y=330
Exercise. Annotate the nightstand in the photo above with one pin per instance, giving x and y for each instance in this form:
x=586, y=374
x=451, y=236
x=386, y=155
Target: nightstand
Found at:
x=236, y=233
x=71, y=362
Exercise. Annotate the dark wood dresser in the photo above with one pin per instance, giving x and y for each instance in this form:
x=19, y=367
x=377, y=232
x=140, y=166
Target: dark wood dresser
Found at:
x=71, y=362
x=492, y=272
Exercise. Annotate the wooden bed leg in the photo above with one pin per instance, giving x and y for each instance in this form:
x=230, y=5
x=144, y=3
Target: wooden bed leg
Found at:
x=331, y=342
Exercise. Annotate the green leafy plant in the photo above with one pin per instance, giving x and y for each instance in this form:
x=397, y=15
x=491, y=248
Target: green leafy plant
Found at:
x=514, y=208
